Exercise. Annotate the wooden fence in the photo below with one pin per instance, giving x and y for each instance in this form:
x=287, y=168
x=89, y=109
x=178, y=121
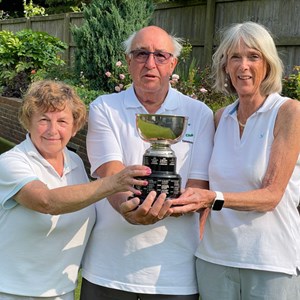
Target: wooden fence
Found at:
x=197, y=21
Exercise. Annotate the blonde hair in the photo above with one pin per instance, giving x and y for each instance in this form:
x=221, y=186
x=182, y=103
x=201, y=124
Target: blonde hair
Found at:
x=255, y=36
x=48, y=95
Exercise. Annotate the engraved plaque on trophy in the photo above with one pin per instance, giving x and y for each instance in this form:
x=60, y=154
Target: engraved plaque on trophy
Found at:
x=161, y=131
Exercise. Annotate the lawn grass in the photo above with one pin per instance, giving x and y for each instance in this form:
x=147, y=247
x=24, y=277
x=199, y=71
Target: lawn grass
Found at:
x=5, y=145
x=77, y=291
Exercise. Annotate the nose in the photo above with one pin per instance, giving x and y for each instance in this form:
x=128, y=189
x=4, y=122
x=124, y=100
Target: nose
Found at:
x=244, y=63
x=52, y=128
x=150, y=62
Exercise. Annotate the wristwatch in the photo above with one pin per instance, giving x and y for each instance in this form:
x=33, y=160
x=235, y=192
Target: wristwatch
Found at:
x=218, y=201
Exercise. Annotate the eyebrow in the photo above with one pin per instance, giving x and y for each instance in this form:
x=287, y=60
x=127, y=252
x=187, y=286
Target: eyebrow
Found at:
x=156, y=50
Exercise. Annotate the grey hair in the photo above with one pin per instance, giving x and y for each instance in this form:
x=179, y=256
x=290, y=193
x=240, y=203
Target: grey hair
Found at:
x=255, y=36
x=176, y=41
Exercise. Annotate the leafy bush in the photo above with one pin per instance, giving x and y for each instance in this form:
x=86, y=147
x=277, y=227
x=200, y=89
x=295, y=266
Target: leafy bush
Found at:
x=67, y=75
x=107, y=23
x=31, y=10
x=291, y=84
x=25, y=56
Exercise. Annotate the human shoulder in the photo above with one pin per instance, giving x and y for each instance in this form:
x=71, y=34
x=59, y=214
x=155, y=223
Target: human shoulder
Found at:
x=290, y=105
x=218, y=115
x=289, y=111
x=288, y=117
x=102, y=98
x=18, y=152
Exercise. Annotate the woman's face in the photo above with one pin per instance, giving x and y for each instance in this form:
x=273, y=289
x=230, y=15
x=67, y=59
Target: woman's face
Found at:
x=51, y=131
x=247, y=69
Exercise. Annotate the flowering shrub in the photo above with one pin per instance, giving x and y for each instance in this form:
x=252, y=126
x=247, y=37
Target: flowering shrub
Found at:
x=197, y=83
x=121, y=80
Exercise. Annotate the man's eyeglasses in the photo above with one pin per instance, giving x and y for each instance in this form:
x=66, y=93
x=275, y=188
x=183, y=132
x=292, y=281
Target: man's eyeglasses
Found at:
x=142, y=56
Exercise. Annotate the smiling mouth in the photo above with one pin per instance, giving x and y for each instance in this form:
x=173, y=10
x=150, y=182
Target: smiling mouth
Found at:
x=52, y=140
x=244, y=77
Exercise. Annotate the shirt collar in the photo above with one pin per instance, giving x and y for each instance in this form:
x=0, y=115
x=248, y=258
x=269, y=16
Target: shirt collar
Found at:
x=267, y=105
x=171, y=102
x=31, y=150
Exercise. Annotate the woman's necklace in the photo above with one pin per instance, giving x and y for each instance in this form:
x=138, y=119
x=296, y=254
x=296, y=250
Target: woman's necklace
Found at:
x=241, y=124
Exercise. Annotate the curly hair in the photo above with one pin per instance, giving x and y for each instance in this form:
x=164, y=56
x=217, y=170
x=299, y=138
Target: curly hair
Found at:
x=49, y=95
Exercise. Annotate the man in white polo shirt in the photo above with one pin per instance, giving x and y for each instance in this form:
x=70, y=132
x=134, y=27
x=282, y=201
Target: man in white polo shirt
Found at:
x=124, y=258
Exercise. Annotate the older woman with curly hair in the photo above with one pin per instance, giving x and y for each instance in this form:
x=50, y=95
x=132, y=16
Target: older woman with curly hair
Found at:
x=47, y=211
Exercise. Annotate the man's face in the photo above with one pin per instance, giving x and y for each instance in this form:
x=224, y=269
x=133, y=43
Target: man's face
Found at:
x=152, y=75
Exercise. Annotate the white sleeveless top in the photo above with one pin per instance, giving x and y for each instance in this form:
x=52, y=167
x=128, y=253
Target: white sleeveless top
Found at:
x=247, y=239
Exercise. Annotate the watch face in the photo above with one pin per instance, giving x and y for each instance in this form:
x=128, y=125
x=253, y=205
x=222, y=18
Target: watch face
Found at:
x=218, y=204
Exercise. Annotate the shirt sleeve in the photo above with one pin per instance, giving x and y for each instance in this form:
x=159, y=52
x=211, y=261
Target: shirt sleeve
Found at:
x=202, y=145
x=102, y=143
x=15, y=173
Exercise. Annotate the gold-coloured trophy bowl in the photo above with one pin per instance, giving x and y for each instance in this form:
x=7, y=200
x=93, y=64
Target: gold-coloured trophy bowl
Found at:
x=161, y=131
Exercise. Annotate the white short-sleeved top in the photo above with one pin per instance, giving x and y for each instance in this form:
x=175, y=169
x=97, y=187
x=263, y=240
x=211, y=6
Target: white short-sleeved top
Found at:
x=39, y=248
x=155, y=258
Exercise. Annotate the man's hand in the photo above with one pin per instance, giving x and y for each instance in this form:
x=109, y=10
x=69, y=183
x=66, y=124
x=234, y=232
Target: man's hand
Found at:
x=150, y=211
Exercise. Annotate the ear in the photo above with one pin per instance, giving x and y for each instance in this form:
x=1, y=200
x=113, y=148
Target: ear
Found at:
x=128, y=60
x=173, y=64
x=74, y=132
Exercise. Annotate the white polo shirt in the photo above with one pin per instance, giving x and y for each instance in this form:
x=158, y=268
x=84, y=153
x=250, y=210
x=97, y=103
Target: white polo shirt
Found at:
x=152, y=259
x=40, y=253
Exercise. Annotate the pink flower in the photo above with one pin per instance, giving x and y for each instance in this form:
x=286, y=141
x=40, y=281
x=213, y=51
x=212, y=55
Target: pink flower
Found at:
x=203, y=90
x=121, y=85
x=122, y=76
x=117, y=89
x=108, y=74
x=118, y=63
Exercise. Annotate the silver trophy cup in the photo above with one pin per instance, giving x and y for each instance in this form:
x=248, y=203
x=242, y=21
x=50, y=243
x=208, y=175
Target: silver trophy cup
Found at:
x=161, y=131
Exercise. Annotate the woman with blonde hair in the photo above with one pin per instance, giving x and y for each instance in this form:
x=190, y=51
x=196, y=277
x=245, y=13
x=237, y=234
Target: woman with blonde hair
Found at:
x=251, y=244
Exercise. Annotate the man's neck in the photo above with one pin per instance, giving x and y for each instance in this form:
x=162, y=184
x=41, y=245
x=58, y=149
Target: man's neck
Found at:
x=152, y=102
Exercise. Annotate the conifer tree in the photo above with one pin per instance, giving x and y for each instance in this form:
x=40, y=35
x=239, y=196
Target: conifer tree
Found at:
x=107, y=23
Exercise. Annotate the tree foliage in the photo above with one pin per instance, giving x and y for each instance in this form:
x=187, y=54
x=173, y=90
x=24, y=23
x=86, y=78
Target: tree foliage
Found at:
x=107, y=23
